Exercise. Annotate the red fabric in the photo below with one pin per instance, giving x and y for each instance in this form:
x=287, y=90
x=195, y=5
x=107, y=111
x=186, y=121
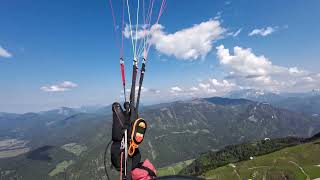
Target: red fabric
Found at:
x=139, y=138
x=141, y=174
x=122, y=74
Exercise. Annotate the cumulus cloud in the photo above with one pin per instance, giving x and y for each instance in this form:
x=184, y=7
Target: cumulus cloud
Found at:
x=142, y=32
x=144, y=90
x=210, y=87
x=204, y=85
x=64, y=86
x=190, y=43
x=251, y=70
x=194, y=89
x=4, y=53
x=263, y=31
x=221, y=84
x=187, y=44
x=175, y=90
x=216, y=86
x=244, y=61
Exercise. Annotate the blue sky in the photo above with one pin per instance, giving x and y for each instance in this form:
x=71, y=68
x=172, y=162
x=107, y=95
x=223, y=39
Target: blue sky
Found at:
x=71, y=45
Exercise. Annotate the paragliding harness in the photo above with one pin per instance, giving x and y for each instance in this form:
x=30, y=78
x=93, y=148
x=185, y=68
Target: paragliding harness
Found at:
x=128, y=132
x=128, y=128
x=125, y=146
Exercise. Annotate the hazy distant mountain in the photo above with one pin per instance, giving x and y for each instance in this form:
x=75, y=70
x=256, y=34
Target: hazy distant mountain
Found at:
x=53, y=127
x=314, y=92
x=4, y=115
x=306, y=103
x=268, y=96
x=63, y=111
x=99, y=109
x=255, y=95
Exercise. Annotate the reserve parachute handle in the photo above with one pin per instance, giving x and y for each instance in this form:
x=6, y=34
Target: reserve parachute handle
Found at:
x=139, y=128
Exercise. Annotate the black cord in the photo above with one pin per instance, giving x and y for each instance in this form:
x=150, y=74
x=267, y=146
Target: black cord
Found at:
x=104, y=160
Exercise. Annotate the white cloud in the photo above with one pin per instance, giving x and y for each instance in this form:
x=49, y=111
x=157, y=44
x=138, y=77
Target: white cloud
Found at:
x=194, y=89
x=209, y=87
x=295, y=70
x=64, y=86
x=218, y=16
x=142, y=32
x=5, y=53
x=188, y=44
x=263, y=31
x=126, y=31
x=204, y=85
x=244, y=61
x=144, y=90
x=258, y=72
x=175, y=89
x=206, y=88
x=221, y=84
x=235, y=34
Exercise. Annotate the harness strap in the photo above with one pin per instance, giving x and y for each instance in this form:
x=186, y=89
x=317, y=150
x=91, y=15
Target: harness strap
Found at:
x=150, y=172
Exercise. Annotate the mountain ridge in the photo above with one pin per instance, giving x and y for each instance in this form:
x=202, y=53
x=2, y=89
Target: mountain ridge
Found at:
x=177, y=131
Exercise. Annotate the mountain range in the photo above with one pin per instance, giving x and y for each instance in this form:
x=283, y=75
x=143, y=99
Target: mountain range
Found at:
x=306, y=103
x=68, y=142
